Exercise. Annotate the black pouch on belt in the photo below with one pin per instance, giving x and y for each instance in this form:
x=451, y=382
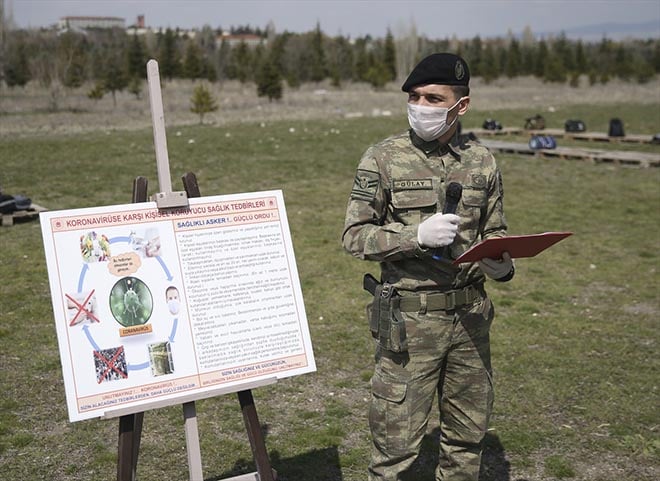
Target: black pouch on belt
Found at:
x=385, y=320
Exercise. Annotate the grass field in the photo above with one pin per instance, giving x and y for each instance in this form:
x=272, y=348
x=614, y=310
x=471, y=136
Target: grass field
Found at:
x=574, y=342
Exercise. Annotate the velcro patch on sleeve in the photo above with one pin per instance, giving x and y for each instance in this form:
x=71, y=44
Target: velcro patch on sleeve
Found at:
x=479, y=181
x=365, y=185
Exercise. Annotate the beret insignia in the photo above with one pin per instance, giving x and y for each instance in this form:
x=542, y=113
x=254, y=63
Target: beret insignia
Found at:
x=459, y=71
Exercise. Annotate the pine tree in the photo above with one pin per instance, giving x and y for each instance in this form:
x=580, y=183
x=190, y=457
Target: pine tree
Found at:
x=361, y=60
x=269, y=81
x=605, y=60
x=256, y=60
x=642, y=70
x=554, y=70
x=115, y=78
x=514, y=59
x=389, y=56
x=378, y=75
x=541, y=59
x=16, y=69
x=136, y=59
x=655, y=61
x=345, y=59
x=474, y=56
x=192, y=61
x=168, y=58
x=278, y=50
x=502, y=59
x=489, y=69
x=223, y=59
x=564, y=52
x=317, y=65
x=202, y=102
x=239, y=63
x=581, y=64
x=208, y=70
x=528, y=60
x=622, y=64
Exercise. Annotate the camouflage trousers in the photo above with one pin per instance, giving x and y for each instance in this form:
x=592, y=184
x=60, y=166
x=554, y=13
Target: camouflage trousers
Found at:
x=449, y=353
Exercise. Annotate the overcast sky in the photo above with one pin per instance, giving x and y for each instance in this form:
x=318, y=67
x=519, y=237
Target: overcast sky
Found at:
x=436, y=19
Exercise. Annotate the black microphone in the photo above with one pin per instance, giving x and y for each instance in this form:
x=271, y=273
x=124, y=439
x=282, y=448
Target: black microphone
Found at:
x=452, y=198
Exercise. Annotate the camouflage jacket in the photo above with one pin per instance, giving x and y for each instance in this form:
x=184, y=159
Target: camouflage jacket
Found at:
x=400, y=182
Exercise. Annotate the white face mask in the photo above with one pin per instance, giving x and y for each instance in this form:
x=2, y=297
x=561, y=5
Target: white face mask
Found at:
x=173, y=306
x=428, y=122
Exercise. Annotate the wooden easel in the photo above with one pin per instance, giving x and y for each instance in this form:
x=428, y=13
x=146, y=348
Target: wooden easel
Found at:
x=130, y=425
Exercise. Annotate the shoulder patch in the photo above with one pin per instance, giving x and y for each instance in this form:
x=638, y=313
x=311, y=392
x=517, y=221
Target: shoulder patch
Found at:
x=365, y=185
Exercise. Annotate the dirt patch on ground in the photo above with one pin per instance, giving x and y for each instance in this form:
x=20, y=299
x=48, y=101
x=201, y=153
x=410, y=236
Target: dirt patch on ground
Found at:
x=29, y=110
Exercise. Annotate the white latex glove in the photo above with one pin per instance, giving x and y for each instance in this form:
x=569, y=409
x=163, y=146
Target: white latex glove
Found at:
x=438, y=230
x=496, y=268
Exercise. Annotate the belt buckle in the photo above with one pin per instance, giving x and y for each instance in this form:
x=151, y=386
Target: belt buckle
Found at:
x=450, y=300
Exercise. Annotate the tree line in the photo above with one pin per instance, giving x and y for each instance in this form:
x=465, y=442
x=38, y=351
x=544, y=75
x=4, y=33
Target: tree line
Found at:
x=114, y=60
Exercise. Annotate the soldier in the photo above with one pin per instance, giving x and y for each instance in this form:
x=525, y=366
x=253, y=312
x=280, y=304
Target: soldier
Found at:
x=431, y=318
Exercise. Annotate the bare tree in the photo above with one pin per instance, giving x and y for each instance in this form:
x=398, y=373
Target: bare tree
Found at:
x=407, y=48
x=56, y=64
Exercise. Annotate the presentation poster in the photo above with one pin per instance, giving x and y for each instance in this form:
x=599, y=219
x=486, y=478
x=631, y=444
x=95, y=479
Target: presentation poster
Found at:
x=155, y=305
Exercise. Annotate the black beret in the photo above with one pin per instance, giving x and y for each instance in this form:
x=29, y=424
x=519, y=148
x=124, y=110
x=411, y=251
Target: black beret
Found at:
x=438, y=68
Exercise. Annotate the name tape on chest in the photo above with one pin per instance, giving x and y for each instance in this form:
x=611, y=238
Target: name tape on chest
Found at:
x=412, y=184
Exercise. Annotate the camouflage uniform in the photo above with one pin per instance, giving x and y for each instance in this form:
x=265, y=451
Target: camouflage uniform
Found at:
x=400, y=182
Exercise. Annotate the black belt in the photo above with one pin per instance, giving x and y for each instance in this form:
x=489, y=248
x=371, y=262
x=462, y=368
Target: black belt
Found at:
x=440, y=301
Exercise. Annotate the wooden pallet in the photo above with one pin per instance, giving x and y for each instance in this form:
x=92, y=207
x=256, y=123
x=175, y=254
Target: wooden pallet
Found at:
x=618, y=157
x=594, y=136
x=490, y=133
x=28, y=214
x=561, y=134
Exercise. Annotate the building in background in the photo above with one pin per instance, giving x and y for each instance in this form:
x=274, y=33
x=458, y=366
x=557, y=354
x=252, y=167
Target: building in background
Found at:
x=233, y=39
x=83, y=23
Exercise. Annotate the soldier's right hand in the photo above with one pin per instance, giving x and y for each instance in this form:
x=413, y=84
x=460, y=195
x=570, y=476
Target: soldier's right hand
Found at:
x=438, y=230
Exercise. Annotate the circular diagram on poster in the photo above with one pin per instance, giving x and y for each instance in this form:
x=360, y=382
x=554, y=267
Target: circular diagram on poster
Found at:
x=131, y=302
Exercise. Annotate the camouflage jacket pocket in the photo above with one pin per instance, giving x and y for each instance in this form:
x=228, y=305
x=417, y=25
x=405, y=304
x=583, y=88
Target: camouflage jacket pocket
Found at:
x=409, y=205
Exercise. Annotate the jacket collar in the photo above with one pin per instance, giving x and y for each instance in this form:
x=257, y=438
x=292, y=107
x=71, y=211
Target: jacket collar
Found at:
x=435, y=147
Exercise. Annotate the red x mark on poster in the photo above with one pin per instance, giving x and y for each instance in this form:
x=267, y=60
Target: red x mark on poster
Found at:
x=110, y=363
x=82, y=309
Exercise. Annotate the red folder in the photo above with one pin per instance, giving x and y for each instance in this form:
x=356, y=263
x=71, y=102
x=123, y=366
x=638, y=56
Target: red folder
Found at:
x=517, y=246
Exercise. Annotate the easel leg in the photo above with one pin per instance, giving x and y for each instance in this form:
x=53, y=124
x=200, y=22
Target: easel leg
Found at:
x=130, y=432
x=256, y=436
x=130, y=422
x=130, y=426
x=192, y=441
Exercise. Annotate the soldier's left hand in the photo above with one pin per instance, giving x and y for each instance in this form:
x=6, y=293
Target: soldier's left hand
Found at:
x=496, y=268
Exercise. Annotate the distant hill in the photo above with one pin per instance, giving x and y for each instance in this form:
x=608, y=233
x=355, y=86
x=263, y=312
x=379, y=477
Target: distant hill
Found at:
x=611, y=30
